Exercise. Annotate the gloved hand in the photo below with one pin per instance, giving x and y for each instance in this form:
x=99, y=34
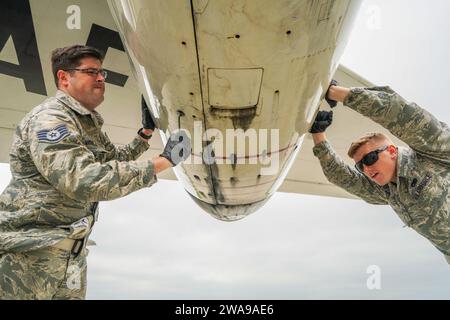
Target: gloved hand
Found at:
x=331, y=103
x=178, y=148
x=147, y=121
x=322, y=122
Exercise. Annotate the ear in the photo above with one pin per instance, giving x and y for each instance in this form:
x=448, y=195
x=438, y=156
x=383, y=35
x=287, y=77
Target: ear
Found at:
x=393, y=151
x=63, y=78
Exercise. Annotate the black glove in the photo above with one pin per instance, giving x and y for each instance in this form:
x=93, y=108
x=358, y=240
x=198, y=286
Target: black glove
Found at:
x=147, y=121
x=322, y=122
x=332, y=103
x=178, y=148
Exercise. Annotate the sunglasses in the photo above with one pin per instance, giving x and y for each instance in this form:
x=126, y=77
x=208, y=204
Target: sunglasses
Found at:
x=369, y=159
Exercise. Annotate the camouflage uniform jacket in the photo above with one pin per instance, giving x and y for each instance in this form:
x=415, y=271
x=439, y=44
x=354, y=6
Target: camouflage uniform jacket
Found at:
x=420, y=195
x=62, y=164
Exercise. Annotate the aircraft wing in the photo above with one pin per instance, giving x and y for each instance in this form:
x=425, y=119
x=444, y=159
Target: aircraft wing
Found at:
x=306, y=175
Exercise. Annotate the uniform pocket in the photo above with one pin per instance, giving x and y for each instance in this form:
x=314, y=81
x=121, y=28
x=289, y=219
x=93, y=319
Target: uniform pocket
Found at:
x=99, y=152
x=428, y=194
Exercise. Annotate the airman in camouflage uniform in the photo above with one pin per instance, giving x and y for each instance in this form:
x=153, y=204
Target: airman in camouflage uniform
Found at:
x=62, y=164
x=414, y=180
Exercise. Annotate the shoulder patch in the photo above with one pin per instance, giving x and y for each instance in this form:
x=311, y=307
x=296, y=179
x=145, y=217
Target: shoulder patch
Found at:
x=53, y=135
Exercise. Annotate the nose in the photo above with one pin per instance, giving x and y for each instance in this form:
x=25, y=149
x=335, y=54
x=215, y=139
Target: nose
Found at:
x=100, y=77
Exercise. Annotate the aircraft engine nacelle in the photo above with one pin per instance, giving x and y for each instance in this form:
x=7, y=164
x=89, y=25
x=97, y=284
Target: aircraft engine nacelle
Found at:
x=244, y=78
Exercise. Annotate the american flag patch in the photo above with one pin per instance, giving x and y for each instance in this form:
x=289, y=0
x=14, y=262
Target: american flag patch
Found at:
x=53, y=135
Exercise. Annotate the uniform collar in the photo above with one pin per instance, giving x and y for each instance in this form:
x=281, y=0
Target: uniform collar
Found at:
x=405, y=162
x=72, y=103
x=78, y=107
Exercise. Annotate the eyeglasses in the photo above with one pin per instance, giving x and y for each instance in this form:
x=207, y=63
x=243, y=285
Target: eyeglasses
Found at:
x=91, y=71
x=369, y=159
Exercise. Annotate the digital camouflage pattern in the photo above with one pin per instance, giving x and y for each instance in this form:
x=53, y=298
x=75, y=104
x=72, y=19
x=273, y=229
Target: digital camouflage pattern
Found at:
x=62, y=164
x=48, y=273
x=420, y=197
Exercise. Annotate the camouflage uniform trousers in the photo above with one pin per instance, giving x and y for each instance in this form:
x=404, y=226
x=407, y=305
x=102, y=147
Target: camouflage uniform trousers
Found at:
x=44, y=274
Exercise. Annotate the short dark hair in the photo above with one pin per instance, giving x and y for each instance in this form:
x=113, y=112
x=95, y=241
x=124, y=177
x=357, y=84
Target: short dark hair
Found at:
x=70, y=57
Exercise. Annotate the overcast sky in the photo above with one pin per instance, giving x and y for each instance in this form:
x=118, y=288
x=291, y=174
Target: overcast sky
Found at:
x=157, y=244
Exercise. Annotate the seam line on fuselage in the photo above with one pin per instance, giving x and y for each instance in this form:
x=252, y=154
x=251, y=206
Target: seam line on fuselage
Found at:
x=201, y=95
